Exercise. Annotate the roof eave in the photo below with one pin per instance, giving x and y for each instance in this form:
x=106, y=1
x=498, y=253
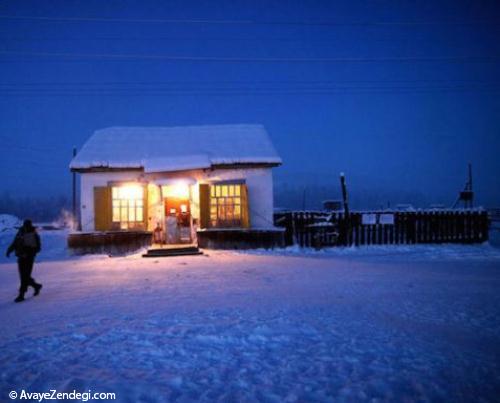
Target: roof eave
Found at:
x=104, y=169
x=242, y=165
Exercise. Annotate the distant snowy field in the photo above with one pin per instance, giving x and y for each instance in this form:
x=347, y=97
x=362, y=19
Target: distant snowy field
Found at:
x=369, y=324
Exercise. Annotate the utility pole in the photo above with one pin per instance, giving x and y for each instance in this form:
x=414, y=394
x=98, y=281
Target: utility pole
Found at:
x=471, y=201
x=344, y=194
x=75, y=219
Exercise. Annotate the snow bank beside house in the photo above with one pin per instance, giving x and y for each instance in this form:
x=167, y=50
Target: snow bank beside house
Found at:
x=234, y=326
x=54, y=245
x=9, y=223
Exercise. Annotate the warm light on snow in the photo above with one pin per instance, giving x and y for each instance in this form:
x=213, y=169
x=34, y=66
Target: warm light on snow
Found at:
x=378, y=323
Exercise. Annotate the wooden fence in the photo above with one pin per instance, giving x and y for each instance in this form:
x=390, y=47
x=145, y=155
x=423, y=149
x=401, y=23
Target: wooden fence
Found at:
x=319, y=229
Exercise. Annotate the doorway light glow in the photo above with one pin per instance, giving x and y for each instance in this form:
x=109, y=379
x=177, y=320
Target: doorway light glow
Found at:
x=178, y=190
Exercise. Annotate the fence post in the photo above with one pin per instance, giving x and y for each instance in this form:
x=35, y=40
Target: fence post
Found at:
x=454, y=229
x=355, y=221
x=409, y=227
x=380, y=233
x=397, y=228
x=485, y=222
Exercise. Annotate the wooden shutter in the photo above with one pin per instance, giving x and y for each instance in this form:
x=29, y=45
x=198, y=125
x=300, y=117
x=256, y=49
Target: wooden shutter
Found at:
x=102, y=208
x=245, y=209
x=204, y=205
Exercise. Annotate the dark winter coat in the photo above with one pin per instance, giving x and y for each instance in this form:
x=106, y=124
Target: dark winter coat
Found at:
x=26, y=243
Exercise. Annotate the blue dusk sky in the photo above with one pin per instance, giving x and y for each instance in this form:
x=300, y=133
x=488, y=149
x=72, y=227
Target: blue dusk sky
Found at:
x=398, y=95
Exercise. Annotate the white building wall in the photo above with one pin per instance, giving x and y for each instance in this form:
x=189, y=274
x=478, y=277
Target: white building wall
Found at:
x=95, y=179
x=259, y=182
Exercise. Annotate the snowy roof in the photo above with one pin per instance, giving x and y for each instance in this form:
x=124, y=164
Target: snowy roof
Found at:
x=162, y=149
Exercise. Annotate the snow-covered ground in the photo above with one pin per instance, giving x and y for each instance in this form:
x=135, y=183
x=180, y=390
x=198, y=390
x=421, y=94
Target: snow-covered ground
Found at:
x=401, y=324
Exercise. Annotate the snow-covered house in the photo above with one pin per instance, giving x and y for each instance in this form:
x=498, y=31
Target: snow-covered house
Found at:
x=207, y=185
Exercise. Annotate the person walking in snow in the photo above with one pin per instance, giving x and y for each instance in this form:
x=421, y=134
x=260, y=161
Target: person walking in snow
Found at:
x=26, y=245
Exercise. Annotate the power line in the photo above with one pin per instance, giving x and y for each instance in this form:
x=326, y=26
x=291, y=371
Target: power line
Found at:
x=28, y=162
x=490, y=21
x=114, y=56
x=255, y=86
x=10, y=144
x=167, y=38
x=26, y=148
x=231, y=89
x=248, y=82
x=132, y=20
x=170, y=38
x=250, y=92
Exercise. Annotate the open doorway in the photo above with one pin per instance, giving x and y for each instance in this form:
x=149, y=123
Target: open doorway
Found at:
x=177, y=220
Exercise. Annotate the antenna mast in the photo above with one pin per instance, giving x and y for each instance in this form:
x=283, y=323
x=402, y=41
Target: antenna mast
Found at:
x=467, y=195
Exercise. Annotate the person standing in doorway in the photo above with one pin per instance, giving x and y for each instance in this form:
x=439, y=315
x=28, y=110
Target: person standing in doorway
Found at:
x=26, y=245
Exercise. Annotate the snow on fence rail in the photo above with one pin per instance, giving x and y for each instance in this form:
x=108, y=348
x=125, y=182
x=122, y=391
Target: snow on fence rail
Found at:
x=319, y=229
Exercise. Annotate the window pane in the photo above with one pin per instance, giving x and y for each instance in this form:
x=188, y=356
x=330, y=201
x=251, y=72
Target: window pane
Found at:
x=114, y=191
x=217, y=191
x=231, y=190
x=116, y=214
x=212, y=191
x=123, y=215
x=237, y=200
x=140, y=193
x=139, y=203
x=123, y=203
x=224, y=191
x=237, y=212
x=237, y=190
x=229, y=213
x=131, y=214
x=213, y=201
x=139, y=214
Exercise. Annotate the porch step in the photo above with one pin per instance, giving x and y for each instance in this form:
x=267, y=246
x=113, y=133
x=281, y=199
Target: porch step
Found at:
x=168, y=252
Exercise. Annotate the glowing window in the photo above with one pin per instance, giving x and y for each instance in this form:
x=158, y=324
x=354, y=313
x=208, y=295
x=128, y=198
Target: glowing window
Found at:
x=225, y=205
x=128, y=206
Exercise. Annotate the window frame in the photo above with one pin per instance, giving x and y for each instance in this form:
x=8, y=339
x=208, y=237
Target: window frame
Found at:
x=131, y=211
x=226, y=204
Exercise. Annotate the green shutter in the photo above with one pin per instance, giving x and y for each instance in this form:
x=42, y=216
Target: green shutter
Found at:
x=204, y=206
x=102, y=208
